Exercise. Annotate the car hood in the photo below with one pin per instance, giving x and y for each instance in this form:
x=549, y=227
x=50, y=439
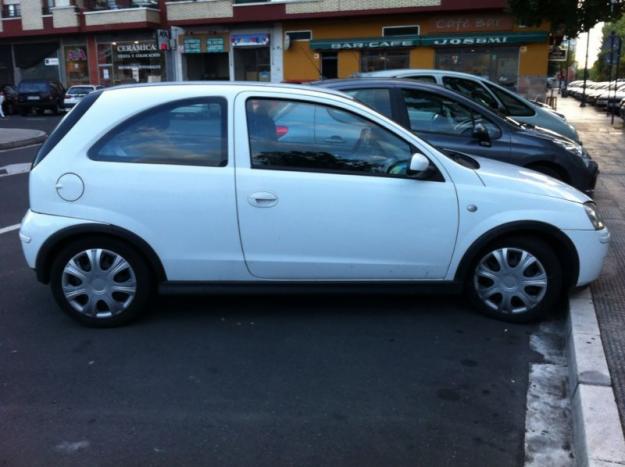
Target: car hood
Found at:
x=495, y=174
x=546, y=133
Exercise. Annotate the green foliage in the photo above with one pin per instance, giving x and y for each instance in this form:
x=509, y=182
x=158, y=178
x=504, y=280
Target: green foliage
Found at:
x=600, y=70
x=567, y=17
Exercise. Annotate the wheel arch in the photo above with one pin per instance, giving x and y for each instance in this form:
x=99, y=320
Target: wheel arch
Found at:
x=554, y=237
x=58, y=240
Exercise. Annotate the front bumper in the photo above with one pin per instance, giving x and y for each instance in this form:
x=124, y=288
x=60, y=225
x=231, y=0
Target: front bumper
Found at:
x=592, y=248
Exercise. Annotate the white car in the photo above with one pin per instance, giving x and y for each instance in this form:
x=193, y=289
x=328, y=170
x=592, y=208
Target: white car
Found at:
x=75, y=94
x=193, y=187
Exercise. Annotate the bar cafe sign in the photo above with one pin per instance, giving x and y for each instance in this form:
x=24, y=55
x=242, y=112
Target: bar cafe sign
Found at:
x=429, y=41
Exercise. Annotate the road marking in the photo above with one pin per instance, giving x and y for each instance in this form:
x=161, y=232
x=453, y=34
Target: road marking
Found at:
x=10, y=228
x=15, y=169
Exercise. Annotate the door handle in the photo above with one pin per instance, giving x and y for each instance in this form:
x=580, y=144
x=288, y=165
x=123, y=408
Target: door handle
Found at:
x=262, y=199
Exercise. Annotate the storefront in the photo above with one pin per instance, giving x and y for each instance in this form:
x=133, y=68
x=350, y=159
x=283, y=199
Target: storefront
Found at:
x=37, y=60
x=252, y=57
x=129, y=61
x=76, y=62
x=489, y=45
x=206, y=56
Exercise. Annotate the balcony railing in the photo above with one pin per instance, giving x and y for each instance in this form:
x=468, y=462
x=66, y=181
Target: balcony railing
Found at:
x=97, y=5
x=11, y=11
x=46, y=7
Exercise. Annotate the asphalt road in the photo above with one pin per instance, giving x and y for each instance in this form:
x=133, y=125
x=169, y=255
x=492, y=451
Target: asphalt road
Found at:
x=260, y=380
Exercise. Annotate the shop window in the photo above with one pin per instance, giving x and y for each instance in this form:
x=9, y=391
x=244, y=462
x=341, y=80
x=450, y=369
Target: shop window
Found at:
x=76, y=65
x=252, y=64
x=432, y=113
x=374, y=60
x=188, y=132
x=393, y=31
x=299, y=35
x=296, y=135
x=137, y=61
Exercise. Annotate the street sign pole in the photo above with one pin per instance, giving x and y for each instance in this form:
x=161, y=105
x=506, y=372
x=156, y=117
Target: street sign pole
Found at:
x=619, y=43
x=610, y=66
x=583, y=103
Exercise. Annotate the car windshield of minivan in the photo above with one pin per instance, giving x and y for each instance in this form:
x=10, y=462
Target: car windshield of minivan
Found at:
x=32, y=87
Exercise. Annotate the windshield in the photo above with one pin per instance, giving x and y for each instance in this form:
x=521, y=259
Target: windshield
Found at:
x=33, y=86
x=79, y=90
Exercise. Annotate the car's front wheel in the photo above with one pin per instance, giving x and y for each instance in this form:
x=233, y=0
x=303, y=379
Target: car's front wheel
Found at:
x=516, y=279
x=101, y=281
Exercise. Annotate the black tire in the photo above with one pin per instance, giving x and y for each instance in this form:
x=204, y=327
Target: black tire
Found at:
x=552, y=269
x=142, y=276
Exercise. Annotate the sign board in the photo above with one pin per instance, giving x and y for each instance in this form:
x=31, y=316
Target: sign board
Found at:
x=612, y=48
x=51, y=61
x=471, y=23
x=250, y=40
x=137, y=50
x=162, y=39
x=557, y=54
x=215, y=45
x=192, y=45
x=429, y=41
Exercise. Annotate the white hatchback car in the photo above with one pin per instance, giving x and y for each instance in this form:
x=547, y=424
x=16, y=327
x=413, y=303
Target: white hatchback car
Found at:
x=194, y=187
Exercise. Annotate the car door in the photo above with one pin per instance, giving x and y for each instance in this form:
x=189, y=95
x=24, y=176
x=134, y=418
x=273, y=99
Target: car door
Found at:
x=448, y=124
x=326, y=211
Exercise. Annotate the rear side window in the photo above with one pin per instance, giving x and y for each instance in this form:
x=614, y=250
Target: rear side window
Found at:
x=66, y=124
x=185, y=132
x=514, y=106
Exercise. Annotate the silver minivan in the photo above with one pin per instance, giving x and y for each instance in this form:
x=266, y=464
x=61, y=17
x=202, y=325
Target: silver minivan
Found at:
x=488, y=94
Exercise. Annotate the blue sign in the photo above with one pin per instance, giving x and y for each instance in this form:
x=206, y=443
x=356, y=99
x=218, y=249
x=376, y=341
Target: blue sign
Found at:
x=250, y=40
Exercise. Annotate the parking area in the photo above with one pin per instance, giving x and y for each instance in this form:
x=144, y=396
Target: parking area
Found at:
x=262, y=380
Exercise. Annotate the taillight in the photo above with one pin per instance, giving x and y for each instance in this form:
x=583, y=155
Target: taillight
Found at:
x=281, y=130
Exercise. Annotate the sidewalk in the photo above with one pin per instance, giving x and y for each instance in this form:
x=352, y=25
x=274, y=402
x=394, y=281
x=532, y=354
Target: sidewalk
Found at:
x=11, y=138
x=606, y=144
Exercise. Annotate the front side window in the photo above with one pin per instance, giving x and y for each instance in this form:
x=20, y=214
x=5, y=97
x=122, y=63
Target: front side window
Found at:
x=514, y=106
x=186, y=132
x=432, y=113
x=471, y=89
x=295, y=135
x=377, y=99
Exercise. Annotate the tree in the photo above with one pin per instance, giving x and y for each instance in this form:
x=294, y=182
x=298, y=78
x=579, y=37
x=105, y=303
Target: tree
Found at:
x=567, y=17
x=600, y=70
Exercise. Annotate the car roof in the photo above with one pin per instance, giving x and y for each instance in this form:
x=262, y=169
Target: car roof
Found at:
x=355, y=83
x=417, y=71
x=229, y=84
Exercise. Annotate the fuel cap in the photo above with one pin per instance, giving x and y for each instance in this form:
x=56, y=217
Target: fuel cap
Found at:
x=70, y=187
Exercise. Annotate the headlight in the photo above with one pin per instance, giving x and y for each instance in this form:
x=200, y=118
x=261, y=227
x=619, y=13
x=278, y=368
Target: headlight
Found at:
x=573, y=148
x=593, y=215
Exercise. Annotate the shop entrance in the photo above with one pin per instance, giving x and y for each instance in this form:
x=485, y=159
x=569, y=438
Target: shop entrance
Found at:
x=252, y=64
x=208, y=67
x=329, y=65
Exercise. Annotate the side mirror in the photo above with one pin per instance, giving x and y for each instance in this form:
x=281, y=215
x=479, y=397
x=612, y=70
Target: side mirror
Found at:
x=418, y=164
x=480, y=133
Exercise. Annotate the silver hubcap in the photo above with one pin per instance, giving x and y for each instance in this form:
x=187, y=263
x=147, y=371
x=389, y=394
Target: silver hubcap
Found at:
x=99, y=283
x=510, y=280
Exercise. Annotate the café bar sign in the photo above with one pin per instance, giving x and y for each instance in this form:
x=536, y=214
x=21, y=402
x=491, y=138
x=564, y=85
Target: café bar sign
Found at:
x=429, y=41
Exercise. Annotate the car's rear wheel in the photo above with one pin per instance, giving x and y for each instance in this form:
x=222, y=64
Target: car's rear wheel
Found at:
x=515, y=279
x=101, y=282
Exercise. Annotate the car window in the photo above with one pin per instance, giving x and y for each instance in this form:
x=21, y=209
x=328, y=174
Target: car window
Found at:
x=422, y=78
x=79, y=90
x=187, y=132
x=433, y=113
x=337, y=141
x=377, y=99
x=514, y=106
x=471, y=89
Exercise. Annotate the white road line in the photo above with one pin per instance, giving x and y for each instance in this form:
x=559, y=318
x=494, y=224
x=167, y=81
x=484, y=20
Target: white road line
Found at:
x=10, y=228
x=15, y=169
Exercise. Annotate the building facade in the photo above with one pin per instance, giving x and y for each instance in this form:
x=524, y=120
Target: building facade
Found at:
x=117, y=41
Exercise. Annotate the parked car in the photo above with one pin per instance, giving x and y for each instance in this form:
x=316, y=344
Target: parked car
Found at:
x=621, y=108
x=448, y=120
x=39, y=95
x=10, y=99
x=611, y=98
x=75, y=94
x=152, y=199
x=488, y=94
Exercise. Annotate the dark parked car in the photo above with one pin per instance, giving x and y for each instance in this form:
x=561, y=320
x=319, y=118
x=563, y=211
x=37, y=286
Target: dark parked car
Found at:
x=10, y=99
x=452, y=122
x=40, y=95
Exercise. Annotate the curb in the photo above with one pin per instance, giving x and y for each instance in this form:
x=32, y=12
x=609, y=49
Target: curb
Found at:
x=40, y=138
x=597, y=433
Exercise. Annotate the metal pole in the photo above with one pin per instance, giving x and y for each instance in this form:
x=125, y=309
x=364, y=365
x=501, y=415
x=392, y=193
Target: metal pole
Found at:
x=583, y=104
x=568, y=63
x=618, y=63
x=607, y=109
